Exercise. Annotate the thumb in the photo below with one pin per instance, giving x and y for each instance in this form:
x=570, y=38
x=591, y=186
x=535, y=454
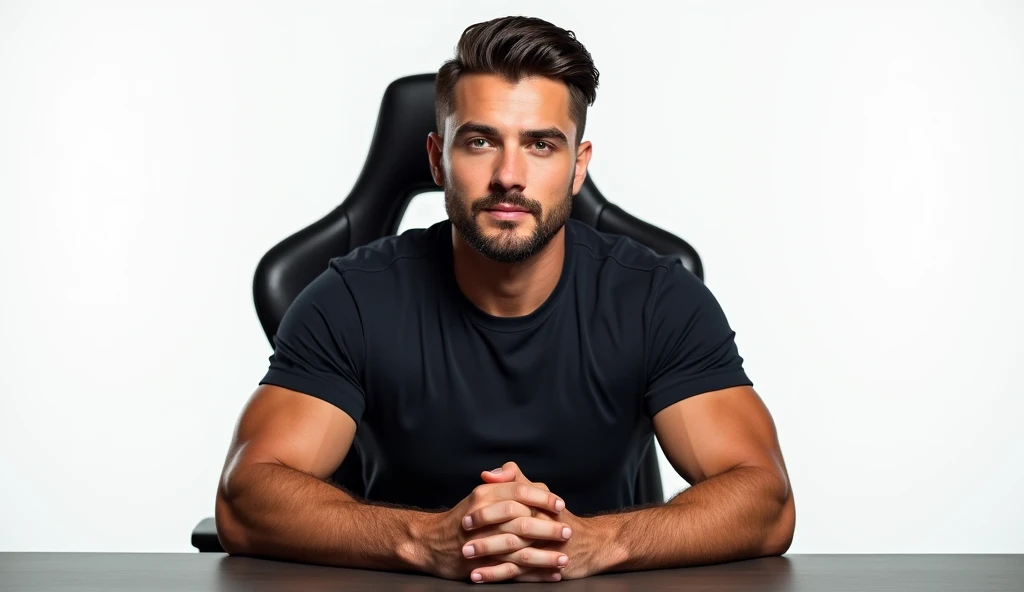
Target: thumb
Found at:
x=504, y=474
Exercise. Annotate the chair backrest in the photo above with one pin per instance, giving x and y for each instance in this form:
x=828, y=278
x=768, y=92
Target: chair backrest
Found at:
x=395, y=171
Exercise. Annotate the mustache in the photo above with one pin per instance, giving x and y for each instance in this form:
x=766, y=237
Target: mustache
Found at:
x=513, y=199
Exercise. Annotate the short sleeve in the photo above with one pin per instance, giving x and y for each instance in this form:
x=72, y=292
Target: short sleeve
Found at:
x=691, y=348
x=318, y=348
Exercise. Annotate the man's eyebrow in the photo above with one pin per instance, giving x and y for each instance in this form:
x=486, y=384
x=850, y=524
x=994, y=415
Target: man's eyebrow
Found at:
x=488, y=130
x=544, y=134
x=476, y=128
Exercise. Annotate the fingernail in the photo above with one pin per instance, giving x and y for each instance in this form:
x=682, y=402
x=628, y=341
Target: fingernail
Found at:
x=467, y=522
x=468, y=551
x=566, y=532
x=563, y=560
x=477, y=577
x=559, y=505
x=496, y=471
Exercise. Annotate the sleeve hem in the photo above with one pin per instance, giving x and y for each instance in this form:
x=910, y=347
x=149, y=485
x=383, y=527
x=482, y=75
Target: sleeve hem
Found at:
x=349, y=402
x=667, y=395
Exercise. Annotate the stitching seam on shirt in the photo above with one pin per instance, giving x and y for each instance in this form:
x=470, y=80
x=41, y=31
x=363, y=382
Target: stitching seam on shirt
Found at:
x=593, y=254
x=362, y=335
x=398, y=258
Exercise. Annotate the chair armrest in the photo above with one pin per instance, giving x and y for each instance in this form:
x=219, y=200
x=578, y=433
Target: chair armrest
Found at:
x=204, y=537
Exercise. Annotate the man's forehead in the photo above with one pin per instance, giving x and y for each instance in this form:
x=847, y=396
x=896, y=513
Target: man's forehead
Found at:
x=529, y=102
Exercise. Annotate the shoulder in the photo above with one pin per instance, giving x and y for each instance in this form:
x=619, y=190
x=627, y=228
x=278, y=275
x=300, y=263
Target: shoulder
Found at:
x=620, y=256
x=391, y=253
x=370, y=274
x=636, y=277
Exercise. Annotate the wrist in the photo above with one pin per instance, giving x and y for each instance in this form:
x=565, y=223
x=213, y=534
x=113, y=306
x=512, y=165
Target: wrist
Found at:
x=415, y=551
x=610, y=550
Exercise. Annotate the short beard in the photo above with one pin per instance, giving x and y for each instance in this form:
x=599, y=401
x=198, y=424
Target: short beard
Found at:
x=507, y=247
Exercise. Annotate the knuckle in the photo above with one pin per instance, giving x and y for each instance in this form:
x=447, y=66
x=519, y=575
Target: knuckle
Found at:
x=510, y=571
x=510, y=509
x=521, y=492
x=525, y=556
x=511, y=541
x=523, y=526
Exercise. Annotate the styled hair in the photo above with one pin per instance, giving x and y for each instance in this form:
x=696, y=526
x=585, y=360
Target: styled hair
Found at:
x=516, y=47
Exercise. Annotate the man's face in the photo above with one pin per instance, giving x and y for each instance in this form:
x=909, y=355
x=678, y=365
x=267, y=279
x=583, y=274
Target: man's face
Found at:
x=509, y=164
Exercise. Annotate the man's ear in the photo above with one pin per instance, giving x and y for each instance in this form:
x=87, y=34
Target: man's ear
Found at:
x=583, y=154
x=435, y=153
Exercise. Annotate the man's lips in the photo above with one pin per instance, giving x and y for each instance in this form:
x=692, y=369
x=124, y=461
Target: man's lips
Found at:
x=507, y=212
x=507, y=208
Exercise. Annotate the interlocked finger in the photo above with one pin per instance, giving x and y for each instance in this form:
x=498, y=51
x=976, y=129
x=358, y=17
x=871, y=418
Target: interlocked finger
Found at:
x=496, y=514
x=534, y=557
x=526, y=494
x=498, y=544
x=536, y=529
x=509, y=571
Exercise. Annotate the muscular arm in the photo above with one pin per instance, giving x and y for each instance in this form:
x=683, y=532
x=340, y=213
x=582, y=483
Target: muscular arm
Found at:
x=272, y=499
x=740, y=504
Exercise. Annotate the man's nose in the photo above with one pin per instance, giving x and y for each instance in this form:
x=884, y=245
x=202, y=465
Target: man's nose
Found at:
x=511, y=172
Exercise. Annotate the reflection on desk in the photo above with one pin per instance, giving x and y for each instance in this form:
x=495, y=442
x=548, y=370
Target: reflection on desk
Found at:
x=238, y=574
x=201, y=572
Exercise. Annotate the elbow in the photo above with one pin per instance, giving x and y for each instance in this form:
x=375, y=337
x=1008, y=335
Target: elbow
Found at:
x=230, y=532
x=780, y=533
x=230, y=511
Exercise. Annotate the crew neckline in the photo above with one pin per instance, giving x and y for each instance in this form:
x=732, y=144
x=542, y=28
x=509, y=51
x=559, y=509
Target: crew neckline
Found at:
x=496, y=323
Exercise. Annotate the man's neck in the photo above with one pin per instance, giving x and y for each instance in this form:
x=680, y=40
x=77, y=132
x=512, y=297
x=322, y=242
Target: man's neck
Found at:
x=508, y=289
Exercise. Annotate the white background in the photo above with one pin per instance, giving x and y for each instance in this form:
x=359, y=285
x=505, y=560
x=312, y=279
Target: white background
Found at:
x=852, y=175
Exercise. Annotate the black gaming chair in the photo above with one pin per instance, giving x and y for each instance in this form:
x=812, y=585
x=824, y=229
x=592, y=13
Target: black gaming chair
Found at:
x=395, y=171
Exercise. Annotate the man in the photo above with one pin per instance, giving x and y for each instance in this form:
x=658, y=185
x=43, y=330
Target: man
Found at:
x=506, y=336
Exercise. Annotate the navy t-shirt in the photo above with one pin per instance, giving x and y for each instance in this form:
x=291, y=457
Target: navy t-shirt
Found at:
x=441, y=390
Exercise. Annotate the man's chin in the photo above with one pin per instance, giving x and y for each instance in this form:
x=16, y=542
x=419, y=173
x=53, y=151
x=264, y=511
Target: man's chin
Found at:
x=518, y=234
x=501, y=241
x=505, y=245
x=506, y=255
x=521, y=232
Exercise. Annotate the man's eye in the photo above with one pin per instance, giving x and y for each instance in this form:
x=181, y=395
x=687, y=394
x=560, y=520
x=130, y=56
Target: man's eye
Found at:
x=543, y=146
x=474, y=141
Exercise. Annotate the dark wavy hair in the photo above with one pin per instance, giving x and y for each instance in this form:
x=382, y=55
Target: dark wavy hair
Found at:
x=515, y=47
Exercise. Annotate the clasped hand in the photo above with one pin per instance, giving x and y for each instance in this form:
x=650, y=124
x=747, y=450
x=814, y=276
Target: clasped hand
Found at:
x=506, y=529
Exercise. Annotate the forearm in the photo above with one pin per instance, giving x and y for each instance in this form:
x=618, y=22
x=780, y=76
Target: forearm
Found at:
x=743, y=513
x=273, y=511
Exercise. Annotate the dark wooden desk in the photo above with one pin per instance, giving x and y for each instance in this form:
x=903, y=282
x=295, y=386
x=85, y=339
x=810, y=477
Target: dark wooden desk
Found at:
x=116, y=572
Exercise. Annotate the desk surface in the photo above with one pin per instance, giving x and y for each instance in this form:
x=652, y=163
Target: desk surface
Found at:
x=201, y=572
